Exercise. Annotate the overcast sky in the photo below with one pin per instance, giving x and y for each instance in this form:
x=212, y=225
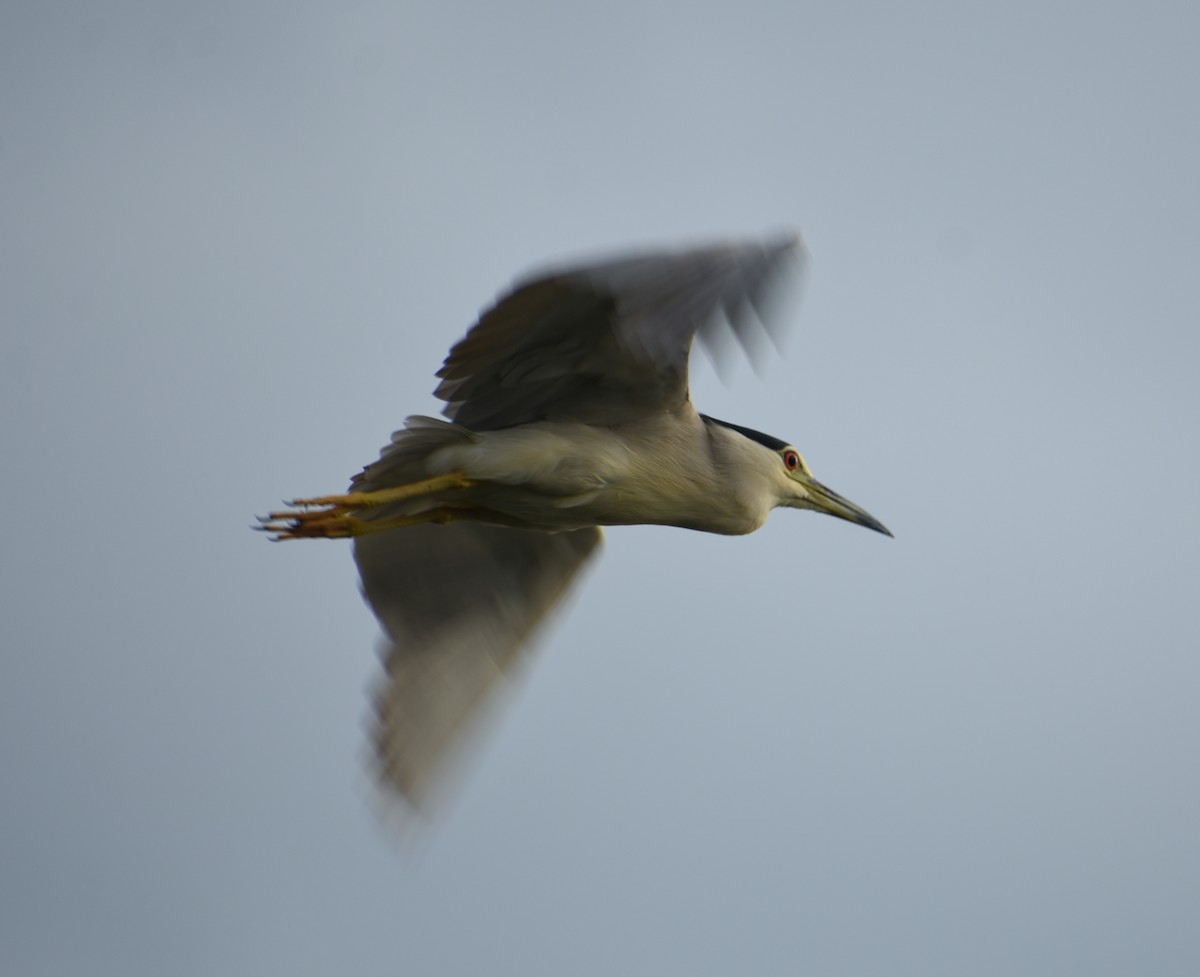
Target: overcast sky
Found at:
x=236, y=240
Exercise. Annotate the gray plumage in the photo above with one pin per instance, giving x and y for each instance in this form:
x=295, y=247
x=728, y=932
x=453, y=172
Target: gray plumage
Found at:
x=458, y=605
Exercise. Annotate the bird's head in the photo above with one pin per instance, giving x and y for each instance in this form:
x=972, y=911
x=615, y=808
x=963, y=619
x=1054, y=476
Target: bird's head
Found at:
x=791, y=480
x=800, y=490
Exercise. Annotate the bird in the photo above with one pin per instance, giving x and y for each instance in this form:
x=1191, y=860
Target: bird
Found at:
x=567, y=409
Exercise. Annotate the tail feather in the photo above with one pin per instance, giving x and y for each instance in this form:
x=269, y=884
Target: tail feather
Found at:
x=405, y=460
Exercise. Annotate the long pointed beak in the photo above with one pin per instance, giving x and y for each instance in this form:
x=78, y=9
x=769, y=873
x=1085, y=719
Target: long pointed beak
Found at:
x=826, y=500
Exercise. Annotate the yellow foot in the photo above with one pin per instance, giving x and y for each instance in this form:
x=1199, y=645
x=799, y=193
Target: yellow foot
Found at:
x=336, y=523
x=325, y=524
x=331, y=516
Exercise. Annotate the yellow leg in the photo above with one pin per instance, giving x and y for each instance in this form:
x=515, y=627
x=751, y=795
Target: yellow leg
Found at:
x=331, y=516
x=369, y=500
x=335, y=523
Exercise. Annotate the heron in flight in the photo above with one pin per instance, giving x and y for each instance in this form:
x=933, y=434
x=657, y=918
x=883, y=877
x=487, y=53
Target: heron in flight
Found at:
x=567, y=409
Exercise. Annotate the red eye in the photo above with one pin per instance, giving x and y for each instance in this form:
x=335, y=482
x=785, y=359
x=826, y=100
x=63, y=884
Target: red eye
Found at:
x=791, y=460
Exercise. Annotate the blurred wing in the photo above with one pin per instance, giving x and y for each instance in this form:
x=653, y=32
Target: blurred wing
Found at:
x=604, y=342
x=458, y=603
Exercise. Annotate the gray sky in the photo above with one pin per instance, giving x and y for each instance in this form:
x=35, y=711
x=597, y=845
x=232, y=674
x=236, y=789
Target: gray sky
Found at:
x=237, y=242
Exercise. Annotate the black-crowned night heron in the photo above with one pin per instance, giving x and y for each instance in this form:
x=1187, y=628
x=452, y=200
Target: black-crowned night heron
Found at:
x=568, y=410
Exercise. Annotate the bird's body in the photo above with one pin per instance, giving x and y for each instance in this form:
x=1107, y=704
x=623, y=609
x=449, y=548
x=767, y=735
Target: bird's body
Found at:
x=568, y=409
x=562, y=475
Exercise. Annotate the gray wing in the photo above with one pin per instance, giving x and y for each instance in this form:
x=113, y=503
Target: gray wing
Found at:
x=604, y=342
x=458, y=604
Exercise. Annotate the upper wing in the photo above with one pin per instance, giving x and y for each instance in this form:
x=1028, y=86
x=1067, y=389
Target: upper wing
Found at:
x=603, y=342
x=458, y=603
